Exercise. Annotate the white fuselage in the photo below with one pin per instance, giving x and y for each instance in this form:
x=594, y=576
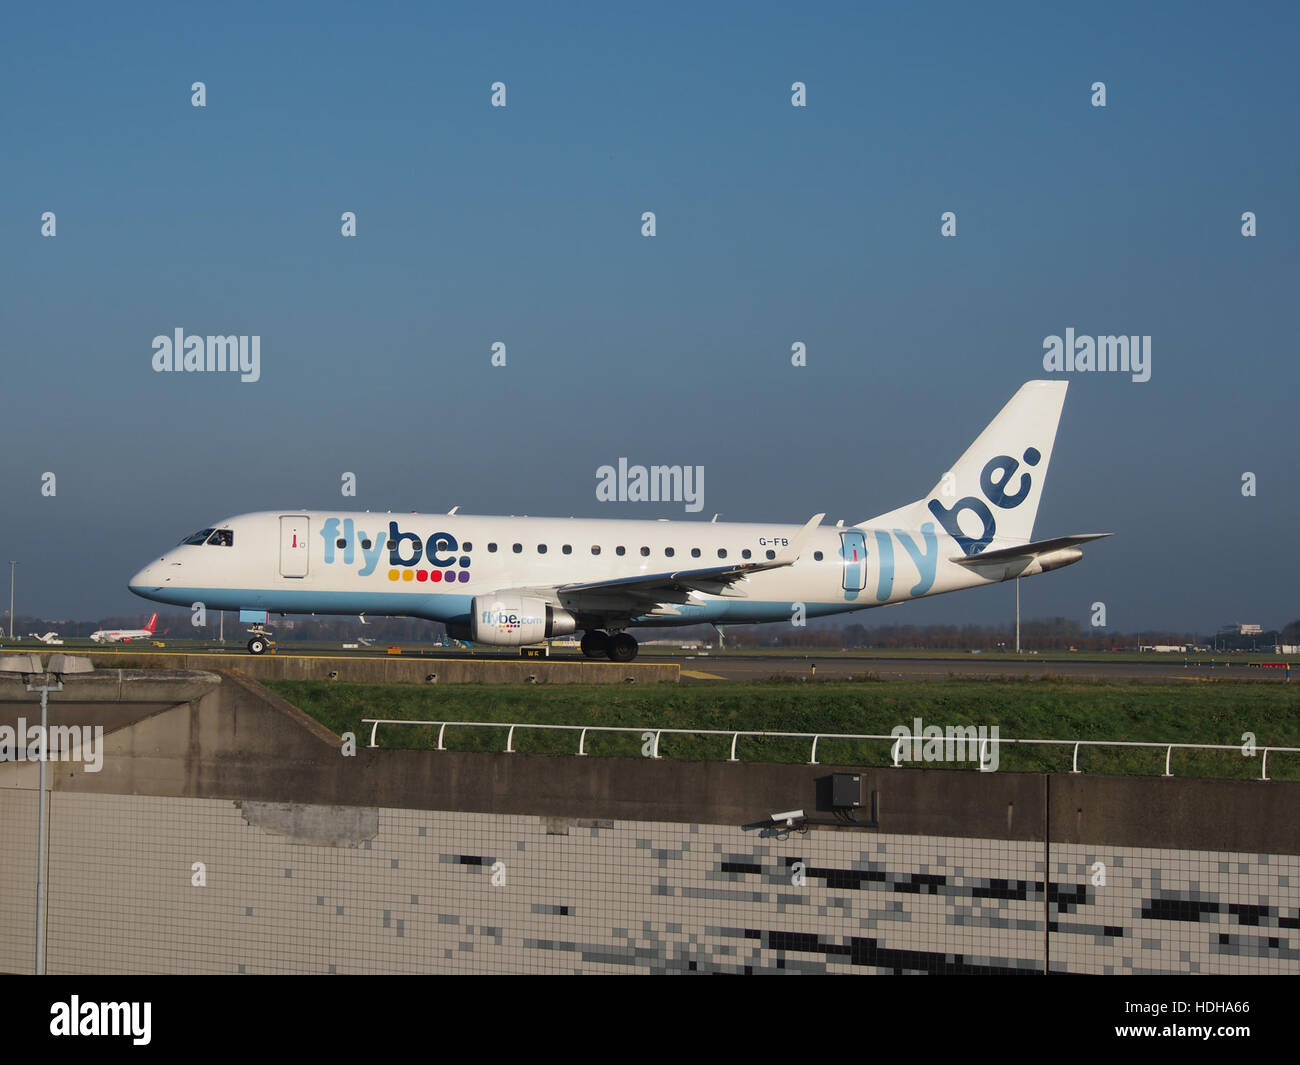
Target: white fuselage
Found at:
x=327, y=562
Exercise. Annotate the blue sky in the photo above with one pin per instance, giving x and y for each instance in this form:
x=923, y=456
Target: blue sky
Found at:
x=775, y=224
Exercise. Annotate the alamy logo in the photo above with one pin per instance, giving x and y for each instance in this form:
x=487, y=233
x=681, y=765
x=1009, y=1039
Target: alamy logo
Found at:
x=102, y=1018
x=1072, y=354
x=997, y=490
x=656, y=484
x=195, y=354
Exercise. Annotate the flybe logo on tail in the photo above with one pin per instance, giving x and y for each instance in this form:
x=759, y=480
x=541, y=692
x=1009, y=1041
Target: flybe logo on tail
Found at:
x=406, y=551
x=997, y=490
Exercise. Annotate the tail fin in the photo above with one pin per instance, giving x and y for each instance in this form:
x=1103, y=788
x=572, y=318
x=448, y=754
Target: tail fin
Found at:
x=153, y=620
x=992, y=492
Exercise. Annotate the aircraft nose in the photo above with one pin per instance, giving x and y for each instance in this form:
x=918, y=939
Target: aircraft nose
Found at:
x=146, y=581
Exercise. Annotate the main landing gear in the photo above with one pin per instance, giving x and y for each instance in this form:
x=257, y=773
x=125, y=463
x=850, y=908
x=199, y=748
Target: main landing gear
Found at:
x=617, y=647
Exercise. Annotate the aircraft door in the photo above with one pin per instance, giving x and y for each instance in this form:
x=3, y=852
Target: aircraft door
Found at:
x=853, y=549
x=293, y=546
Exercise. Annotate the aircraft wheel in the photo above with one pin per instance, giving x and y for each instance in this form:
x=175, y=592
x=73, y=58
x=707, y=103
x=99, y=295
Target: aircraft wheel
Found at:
x=256, y=645
x=622, y=647
x=595, y=643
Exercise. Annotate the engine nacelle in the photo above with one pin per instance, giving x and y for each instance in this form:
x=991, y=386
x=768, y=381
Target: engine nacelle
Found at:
x=516, y=620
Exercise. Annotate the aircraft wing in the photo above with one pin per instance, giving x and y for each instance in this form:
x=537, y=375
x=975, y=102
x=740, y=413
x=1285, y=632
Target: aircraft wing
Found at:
x=1039, y=547
x=635, y=595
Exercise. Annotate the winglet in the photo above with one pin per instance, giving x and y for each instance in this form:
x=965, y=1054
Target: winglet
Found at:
x=790, y=554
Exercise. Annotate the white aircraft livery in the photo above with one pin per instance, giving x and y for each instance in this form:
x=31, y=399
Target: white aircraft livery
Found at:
x=514, y=581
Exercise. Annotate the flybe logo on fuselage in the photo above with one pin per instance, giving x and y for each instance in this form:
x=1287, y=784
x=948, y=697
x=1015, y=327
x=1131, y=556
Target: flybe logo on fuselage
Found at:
x=348, y=545
x=995, y=492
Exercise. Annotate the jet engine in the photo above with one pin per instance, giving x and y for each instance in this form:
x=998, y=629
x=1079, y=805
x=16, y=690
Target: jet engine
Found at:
x=516, y=620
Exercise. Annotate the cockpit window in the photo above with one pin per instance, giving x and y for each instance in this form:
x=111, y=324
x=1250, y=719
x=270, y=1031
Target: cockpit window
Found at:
x=199, y=537
x=222, y=538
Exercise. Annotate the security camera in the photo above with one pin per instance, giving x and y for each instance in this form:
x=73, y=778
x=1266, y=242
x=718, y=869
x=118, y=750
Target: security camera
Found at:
x=788, y=818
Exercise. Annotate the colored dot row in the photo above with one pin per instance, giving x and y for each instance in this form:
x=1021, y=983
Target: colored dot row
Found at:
x=433, y=575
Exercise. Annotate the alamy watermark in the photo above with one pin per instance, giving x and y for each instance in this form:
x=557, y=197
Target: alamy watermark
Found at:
x=180, y=353
x=958, y=743
x=1113, y=354
x=653, y=484
x=64, y=743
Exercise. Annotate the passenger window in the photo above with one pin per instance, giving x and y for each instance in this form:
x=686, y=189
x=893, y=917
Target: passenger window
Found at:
x=567, y=549
x=695, y=552
x=467, y=546
x=340, y=542
x=669, y=552
x=747, y=553
x=722, y=552
x=517, y=548
x=541, y=549
x=645, y=552
x=595, y=549
x=817, y=556
x=492, y=548
x=771, y=554
x=365, y=545
x=620, y=550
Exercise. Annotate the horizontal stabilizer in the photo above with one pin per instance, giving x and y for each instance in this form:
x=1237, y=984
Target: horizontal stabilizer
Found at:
x=1040, y=547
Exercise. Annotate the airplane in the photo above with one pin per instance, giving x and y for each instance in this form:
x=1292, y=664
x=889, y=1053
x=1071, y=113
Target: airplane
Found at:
x=125, y=635
x=508, y=582
x=50, y=638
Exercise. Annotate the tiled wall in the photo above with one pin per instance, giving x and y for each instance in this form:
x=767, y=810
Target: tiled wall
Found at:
x=17, y=880
x=1175, y=911
x=319, y=889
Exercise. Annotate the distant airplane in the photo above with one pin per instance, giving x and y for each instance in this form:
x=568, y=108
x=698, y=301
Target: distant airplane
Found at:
x=125, y=635
x=508, y=582
x=51, y=638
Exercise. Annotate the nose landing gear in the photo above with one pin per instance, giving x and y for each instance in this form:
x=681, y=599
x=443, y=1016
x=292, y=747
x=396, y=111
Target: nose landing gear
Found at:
x=261, y=640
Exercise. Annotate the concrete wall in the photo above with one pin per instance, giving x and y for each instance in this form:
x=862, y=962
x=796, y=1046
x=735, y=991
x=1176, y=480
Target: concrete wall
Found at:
x=382, y=861
x=227, y=737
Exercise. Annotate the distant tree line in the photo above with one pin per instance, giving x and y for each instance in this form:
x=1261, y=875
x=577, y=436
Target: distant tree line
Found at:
x=1036, y=634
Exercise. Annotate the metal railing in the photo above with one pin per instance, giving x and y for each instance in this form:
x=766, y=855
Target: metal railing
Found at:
x=654, y=733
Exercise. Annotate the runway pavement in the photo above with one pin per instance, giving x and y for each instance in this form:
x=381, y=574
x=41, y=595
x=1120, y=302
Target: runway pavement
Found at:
x=745, y=667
